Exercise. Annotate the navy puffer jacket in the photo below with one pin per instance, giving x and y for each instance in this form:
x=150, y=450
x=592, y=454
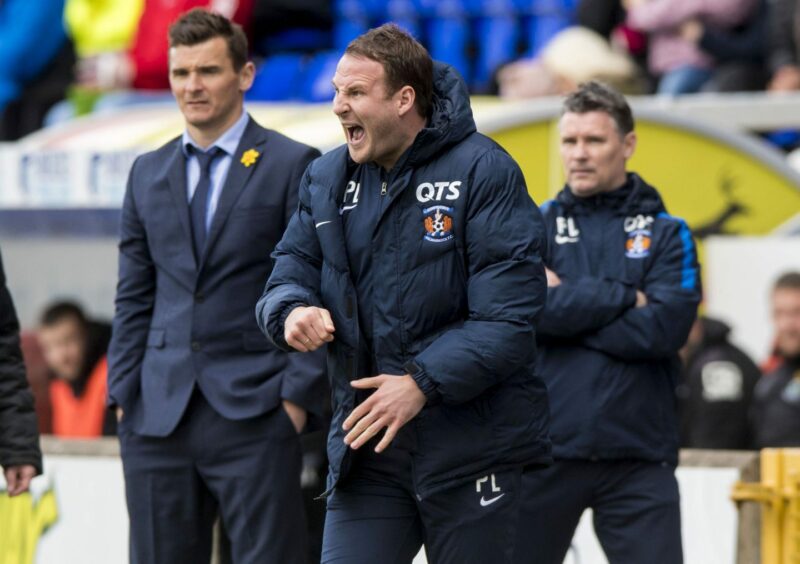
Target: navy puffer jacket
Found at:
x=459, y=282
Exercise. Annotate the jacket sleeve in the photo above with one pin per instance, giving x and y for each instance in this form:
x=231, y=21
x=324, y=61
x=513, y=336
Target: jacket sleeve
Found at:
x=296, y=274
x=136, y=289
x=579, y=304
x=506, y=289
x=303, y=381
x=672, y=287
x=584, y=304
x=19, y=436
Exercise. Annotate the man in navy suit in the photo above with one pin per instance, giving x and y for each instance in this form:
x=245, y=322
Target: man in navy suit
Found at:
x=209, y=411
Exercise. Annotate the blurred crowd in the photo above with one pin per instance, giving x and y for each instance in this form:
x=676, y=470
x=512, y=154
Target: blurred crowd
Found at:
x=667, y=47
x=64, y=58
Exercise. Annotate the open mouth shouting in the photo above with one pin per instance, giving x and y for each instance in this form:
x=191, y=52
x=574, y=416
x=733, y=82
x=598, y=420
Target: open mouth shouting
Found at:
x=354, y=133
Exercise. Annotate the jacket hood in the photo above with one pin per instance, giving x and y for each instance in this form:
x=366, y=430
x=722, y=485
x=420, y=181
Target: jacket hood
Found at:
x=451, y=118
x=635, y=196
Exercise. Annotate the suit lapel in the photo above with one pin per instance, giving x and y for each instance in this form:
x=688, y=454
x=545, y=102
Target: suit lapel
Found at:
x=254, y=138
x=176, y=178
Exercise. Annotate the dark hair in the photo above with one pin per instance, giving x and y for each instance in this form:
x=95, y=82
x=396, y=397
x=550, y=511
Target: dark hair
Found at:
x=405, y=61
x=59, y=311
x=199, y=25
x=787, y=281
x=596, y=96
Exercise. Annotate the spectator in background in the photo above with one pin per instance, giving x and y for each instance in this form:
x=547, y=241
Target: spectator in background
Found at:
x=102, y=32
x=295, y=25
x=601, y=16
x=716, y=390
x=148, y=54
x=141, y=73
x=739, y=53
x=36, y=64
x=784, y=58
x=556, y=70
x=74, y=349
x=20, y=455
x=607, y=18
x=680, y=64
x=777, y=395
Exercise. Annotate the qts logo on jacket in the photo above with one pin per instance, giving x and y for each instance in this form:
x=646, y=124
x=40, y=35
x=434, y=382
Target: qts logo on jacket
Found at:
x=436, y=191
x=438, y=223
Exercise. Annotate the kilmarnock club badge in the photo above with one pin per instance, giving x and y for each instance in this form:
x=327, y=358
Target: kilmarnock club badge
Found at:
x=438, y=222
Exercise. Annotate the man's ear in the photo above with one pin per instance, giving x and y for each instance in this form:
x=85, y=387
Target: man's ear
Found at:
x=629, y=144
x=405, y=100
x=246, y=76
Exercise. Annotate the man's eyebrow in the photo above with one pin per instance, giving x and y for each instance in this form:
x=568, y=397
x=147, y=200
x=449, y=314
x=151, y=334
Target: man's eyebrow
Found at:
x=349, y=87
x=202, y=68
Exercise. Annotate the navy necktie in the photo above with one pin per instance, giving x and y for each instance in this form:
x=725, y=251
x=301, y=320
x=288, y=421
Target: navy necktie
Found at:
x=198, y=208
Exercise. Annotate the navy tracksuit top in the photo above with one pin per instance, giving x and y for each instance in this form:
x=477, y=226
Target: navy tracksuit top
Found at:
x=611, y=369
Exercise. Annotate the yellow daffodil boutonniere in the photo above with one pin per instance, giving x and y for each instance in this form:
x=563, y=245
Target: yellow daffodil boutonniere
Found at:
x=250, y=157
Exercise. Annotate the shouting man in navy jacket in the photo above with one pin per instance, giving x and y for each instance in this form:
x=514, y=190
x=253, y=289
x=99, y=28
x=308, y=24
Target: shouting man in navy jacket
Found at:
x=623, y=290
x=209, y=412
x=416, y=254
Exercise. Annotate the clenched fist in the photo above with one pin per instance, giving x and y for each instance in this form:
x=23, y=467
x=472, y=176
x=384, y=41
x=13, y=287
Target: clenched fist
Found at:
x=308, y=328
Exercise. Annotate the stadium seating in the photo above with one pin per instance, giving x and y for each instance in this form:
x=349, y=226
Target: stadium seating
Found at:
x=475, y=36
x=278, y=78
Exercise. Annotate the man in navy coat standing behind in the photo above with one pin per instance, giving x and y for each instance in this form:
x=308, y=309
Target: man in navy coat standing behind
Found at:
x=209, y=411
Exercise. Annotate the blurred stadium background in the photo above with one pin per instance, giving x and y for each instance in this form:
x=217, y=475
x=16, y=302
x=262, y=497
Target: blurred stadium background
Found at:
x=82, y=91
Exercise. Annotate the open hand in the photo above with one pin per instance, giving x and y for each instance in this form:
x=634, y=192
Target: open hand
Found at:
x=395, y=402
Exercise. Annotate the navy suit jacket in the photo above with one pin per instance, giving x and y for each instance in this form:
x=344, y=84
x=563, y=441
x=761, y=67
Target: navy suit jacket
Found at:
x=182, y=322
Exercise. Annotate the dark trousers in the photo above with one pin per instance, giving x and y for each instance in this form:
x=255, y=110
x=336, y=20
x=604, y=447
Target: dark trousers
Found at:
x=636, y=508
x=374, y=516
x=247, y=471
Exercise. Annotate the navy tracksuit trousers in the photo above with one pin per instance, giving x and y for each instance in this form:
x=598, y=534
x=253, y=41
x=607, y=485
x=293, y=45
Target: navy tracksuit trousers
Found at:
x=374, y=516
x=636, y=507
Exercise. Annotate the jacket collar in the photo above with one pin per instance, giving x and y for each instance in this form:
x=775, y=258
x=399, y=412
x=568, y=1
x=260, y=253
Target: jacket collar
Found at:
x=633, y=197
